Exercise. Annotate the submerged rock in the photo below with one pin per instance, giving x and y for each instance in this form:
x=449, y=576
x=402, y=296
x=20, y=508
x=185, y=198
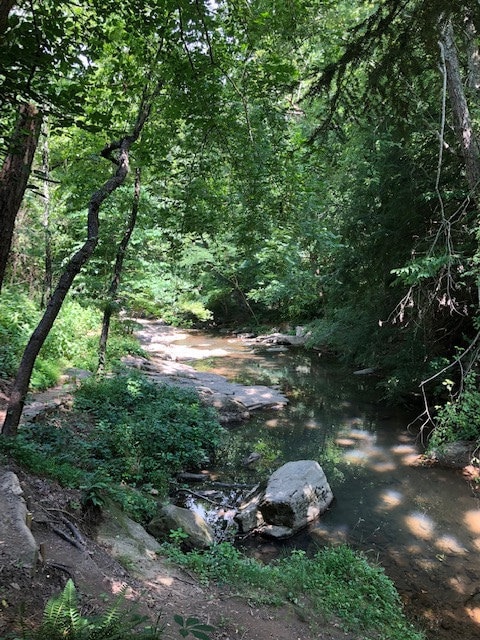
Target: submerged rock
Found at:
x=455, y=455
x=296, y=493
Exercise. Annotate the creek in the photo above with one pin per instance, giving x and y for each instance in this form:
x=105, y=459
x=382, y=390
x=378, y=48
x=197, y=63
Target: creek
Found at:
x=420, y=522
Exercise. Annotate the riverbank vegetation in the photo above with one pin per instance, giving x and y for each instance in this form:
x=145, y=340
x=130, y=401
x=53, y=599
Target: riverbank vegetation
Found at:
x=236, y=164
x=125, y=439
x=305, y=163
x=334, y=582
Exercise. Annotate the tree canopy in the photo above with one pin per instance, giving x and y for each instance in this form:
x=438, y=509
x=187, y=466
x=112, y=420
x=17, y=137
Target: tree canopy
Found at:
x=315, y=161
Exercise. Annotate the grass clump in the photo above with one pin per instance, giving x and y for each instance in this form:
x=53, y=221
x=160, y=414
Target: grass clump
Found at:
x=335, y=581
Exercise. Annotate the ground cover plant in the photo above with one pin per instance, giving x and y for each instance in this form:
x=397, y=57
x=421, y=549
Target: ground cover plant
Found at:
x=335, y=581
x=63, y=619
x=126, y=437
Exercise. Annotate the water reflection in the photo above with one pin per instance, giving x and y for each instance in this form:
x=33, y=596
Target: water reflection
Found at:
x=422, y=524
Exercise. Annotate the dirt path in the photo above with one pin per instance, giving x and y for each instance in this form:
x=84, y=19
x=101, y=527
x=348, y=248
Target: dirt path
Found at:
x=123, y=554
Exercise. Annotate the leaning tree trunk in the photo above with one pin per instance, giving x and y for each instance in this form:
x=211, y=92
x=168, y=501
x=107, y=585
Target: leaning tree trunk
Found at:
x=462, y=121
x=22, y=380
x=14, y=176
x=117, y=272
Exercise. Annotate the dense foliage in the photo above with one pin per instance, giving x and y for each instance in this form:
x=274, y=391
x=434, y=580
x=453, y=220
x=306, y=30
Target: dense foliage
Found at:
x=303, y=162
x=138, y=437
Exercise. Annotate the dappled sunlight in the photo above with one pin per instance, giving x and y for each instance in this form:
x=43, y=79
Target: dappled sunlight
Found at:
x=420, y=525
x=407, y=453
x=476, y=544
x=450, y=545
x=302, y=369
x=472, y=521
x=161, y=580
x=364, y=450
x=383, y=466
x=321, y=533
x=426, y=564
x=391, y=498
x=272, y=423
x=344, y=442
x=473, y=613
x=457, y=585
x=118, y=587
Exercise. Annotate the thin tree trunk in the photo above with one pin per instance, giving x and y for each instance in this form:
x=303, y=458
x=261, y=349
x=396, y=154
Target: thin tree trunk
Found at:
x=14, y=177
x=117, y=272
x=462, y=121
x=22, y=380
x=5, y=8
x=47, y=276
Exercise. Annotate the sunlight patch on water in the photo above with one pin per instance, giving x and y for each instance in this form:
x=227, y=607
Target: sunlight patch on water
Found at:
x=426, y=564
x=472, y=520
x=356, y=456
x=474, y=614
x=449, y=544
x=391, y=498
x=345, y=442
x=383, y=466
x=420, y=525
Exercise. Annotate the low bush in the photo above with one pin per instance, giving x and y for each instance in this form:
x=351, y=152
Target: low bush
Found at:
x=459, y=417
x=336, y=581
x=129, y=436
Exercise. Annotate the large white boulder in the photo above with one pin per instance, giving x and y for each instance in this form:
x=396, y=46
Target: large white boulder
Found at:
x=296, y=493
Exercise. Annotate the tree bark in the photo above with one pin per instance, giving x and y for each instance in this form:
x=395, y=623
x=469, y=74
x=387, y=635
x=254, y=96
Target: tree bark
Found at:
x=117, y=272
x=5, y=8
x=14, y=176
x=462, y=121
x=47, y=277
x=22, y=380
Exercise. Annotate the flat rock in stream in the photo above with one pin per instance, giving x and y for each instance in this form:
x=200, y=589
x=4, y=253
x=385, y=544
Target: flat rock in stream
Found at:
x=216, y=389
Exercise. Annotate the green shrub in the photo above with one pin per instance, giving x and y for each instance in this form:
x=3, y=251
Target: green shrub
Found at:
x=141, y=434
x=459, y=418
x=336, y=581
x=145, y=432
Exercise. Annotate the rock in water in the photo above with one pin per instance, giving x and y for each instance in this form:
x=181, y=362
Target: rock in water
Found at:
x=296, y=493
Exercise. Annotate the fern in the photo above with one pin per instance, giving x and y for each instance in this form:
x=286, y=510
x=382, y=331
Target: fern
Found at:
x=62, y=620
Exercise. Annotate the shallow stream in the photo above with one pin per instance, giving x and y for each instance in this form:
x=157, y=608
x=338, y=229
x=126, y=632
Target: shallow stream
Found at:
x=422, y=523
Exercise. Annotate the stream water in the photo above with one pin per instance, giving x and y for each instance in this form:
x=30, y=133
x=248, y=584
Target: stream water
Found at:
x=421, y=523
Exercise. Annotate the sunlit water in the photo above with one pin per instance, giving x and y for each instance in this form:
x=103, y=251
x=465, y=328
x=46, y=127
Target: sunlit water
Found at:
x=421, y=523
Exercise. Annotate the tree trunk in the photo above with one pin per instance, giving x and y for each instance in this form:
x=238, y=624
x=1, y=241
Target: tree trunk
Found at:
x=14, y=176
x=462, y=121
x=5, y=8
x=22, y=381
x=117, y=272
x=47, y=276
